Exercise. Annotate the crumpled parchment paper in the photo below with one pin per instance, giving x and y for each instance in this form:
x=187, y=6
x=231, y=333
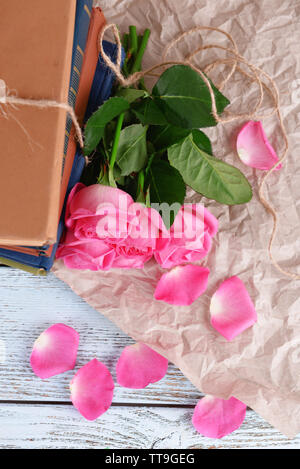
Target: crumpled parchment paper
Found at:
x=261, y=367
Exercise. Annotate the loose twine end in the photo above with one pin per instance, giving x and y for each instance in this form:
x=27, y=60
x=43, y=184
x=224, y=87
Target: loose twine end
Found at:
x=264, y=82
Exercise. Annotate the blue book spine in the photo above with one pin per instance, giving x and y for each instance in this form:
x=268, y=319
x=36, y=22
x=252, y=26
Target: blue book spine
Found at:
x=82, y=22
x=103, y=80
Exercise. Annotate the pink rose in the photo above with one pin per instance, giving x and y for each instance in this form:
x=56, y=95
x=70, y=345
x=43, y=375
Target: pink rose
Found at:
x=106, y=229
x=189, y=239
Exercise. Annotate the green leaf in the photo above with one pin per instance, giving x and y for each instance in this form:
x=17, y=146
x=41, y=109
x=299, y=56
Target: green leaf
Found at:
x=95, y=126
x=149, y=113
x=131, y=94
x=108, y=137
x=202, y=141
x=184, y=98
x=207, y=175
x=166, y=186
x=163, y=137
x=132, y=150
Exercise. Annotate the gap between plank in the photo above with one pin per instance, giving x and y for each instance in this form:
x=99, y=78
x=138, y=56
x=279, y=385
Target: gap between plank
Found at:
x=114, y=404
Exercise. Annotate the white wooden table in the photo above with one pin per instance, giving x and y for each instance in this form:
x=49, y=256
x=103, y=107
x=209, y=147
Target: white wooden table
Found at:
x=38, y=414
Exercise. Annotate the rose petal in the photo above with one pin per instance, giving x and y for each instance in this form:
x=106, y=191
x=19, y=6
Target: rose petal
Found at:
x=95, y=200
x=144, y=224
x=182, y=285
x=77, y=188
x=189, y=239
x=192, y=221
x=139, y=366
x=254, y=148
x=231, y=309
x=216, y=418
x=55, y=351
x=90, y=254
x=92, y=390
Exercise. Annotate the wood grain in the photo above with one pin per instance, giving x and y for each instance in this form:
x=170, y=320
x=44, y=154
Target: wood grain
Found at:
x=31, y=304
x=38, y=414
x=50, y=427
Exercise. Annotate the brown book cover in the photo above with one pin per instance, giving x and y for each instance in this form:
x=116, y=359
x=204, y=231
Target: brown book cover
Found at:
x=36, y=38
x=85, y=84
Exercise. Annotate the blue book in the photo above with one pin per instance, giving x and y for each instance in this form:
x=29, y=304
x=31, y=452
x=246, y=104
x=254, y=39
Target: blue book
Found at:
x=103, y=80
x=82, y=22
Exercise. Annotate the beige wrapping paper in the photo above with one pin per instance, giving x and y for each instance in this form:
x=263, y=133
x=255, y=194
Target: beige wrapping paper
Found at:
x=261, y=367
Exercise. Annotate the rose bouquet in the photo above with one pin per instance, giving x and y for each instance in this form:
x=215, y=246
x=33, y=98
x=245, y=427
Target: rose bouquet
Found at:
x=144, y=148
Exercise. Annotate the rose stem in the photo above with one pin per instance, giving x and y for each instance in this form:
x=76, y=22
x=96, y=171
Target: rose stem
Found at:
x=151, y=158
x=139, y=57
x=125, y=44
x=125, y=40
x=116, y=141
x=133, y=40
x=141, y=182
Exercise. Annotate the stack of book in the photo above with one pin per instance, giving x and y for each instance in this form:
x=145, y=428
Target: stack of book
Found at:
x=49, y=51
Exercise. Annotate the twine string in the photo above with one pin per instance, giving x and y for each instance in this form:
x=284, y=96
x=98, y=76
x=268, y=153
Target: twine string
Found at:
x=253, y=73
x=7, y=98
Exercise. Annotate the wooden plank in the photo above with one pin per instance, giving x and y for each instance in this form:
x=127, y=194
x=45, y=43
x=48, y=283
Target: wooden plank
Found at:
x=28, y=305
x=42, y=426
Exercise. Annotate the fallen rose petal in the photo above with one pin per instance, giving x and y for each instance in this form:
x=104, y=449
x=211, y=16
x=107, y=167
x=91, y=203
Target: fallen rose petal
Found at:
x=182, y=285
x=92, y=390
x=216, y=418
x=139, y=366
x=55, y=351
x=254, y=148
x=231, y=309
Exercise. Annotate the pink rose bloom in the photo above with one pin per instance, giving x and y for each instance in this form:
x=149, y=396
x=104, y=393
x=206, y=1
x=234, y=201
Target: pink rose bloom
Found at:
x=106, y=229
x=189, y=239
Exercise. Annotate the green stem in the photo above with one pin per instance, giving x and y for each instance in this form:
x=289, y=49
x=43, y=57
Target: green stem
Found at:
x=125, y=41
x=116, y=141
x=143, y=86
x=141, y=181
x=150, y=163
x=126, y=62
x=139, y=57
x=111, y=179
x=133, y=39
x=140, y=38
